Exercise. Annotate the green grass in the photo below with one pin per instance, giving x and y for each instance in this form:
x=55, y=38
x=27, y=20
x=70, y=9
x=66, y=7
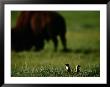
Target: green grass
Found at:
x=83, y=37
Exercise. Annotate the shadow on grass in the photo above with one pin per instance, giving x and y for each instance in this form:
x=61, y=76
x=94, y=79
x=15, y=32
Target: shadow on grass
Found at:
x=88, y=26
x=84, y=51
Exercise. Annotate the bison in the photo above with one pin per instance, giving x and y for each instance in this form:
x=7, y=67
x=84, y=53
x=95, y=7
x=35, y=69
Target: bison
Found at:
x=34, y=27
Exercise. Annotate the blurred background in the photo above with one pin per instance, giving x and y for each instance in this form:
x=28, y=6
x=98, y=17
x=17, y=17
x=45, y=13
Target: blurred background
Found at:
x=83, y=37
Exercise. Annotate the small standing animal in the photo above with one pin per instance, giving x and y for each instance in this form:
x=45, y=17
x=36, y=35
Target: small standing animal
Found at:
x=68, y=68
x=78, y=68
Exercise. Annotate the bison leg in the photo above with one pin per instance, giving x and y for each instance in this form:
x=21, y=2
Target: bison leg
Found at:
x=55, y=41
x=63, y=41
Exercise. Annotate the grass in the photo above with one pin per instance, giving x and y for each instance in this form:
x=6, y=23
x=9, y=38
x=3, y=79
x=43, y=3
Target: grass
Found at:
x=83, y=37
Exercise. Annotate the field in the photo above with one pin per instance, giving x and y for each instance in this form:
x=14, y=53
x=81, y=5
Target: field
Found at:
x=83, y=37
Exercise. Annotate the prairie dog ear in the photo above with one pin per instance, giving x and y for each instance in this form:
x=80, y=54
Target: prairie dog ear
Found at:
x=78, y=66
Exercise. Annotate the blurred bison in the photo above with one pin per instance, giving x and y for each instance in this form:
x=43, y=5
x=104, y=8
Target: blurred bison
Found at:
x=34, y=27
